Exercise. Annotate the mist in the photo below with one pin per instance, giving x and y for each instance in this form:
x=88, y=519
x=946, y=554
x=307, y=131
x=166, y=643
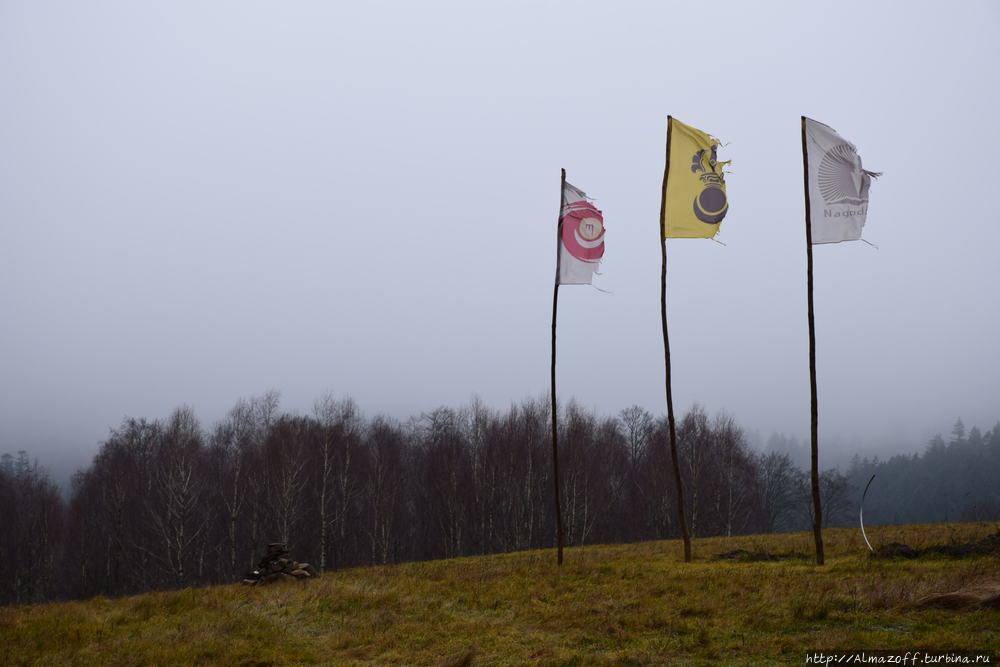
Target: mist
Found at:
x=200, y=203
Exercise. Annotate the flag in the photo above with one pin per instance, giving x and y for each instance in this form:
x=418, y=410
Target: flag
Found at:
x=838, y=186
x=694, y=195
x=581, y=238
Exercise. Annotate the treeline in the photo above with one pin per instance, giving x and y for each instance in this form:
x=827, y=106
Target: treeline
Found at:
x=167, y=503
x=957, y=480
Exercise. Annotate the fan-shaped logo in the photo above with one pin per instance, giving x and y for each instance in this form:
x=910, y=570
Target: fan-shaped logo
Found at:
x=711, y=204
x=583, y=231
x=840, y=177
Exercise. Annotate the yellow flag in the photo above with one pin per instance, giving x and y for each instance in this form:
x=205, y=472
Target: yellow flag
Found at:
x=694, y=197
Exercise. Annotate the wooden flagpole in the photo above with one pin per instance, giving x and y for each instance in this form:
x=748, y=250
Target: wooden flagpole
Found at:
x=814, y=409
x=661, y=237
x=555, y=422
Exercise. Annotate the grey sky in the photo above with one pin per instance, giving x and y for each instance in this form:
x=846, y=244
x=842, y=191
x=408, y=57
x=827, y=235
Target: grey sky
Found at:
x=203, y=201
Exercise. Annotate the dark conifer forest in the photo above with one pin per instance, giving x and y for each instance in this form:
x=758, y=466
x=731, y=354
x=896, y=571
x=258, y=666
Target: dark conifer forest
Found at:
x=169, y=503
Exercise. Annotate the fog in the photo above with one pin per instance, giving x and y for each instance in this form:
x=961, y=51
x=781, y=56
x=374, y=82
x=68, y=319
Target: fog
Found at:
x=205, y=201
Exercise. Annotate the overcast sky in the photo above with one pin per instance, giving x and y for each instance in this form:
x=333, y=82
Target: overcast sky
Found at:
x=202, y=201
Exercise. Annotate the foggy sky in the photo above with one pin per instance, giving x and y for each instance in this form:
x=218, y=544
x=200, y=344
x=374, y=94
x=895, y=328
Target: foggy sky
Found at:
x=204, y=201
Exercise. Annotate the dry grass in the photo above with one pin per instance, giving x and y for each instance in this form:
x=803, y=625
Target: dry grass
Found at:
x=636, y=603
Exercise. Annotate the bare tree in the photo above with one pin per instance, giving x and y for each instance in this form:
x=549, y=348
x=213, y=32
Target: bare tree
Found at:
x=342, y=426
x=384, y=485
x=31, y=513
x=637, y=425
x=232, y=442
x=178, y=492
x=595, y=474
x=447, y=474
x=836, y=498
x=777, y=478
x=834, y=495
x=695, y=444
x=285, y=463
x=736, y=476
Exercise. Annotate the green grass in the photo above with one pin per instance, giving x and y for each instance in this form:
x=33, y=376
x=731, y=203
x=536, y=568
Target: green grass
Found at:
x=634, y=603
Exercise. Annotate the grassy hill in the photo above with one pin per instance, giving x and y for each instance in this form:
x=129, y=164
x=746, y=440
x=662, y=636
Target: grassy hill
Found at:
x=633, y=603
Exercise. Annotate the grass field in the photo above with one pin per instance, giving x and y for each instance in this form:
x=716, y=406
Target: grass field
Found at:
x=633, y=603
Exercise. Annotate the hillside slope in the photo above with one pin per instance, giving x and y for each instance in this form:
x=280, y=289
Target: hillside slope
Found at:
x=615, y=603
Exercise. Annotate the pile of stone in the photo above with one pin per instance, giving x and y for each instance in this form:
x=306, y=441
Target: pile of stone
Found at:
x=278, y=565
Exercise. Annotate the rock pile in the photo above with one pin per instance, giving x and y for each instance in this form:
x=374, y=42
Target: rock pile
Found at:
x=277, y=565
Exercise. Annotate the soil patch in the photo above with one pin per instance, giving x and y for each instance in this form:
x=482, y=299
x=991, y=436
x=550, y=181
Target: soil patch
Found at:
x=988, y=546
x=745, y=556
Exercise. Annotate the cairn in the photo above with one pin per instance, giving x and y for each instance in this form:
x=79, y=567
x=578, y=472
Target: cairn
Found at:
x=278, y=565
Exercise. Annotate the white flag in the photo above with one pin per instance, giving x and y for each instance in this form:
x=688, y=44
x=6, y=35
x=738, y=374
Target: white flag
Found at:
x=838, y=186
x=581, y=238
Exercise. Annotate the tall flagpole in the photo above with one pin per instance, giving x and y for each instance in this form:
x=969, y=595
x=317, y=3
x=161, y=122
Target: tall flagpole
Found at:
x=666, y=359
x=814, y=409
x=555, y=422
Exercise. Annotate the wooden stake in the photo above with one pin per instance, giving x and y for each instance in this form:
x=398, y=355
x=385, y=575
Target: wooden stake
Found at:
x=661, y=239
x=814, y=409
x=555, y=421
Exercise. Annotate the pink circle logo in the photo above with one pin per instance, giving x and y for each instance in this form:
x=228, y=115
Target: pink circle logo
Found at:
x=583, y=231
